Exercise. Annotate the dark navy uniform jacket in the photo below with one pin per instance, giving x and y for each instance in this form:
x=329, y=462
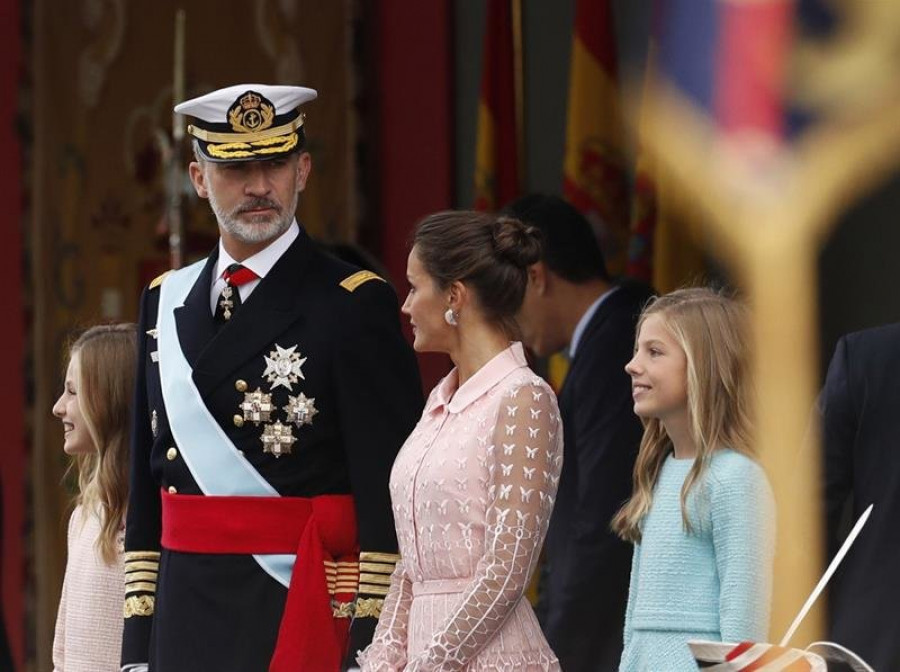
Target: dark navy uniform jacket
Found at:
x=222, y=612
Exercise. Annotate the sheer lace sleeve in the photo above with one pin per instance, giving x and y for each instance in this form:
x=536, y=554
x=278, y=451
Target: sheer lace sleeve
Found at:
x=387, y=652
x=524, y=464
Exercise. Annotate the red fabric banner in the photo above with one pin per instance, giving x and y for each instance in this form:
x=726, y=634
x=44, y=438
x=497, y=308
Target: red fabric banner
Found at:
x=496, y=152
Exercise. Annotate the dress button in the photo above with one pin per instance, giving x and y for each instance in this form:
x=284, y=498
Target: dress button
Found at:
x=173, y=490
x=171, y=454
x=238, y=420
x=240, y=385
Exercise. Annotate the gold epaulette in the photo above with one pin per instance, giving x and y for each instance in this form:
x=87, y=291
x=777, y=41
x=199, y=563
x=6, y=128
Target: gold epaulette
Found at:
x=157, y=281
x=350, y=283
x=141, y=572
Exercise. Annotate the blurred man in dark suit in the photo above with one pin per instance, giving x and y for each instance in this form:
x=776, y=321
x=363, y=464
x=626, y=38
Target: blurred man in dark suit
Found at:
x=860, y=406
x=572, y=306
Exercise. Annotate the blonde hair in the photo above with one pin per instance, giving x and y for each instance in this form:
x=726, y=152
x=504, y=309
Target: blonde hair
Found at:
x=712, y=330
x=105, y=381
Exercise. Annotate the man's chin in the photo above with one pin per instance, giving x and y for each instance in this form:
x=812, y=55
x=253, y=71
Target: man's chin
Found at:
x=259, y=232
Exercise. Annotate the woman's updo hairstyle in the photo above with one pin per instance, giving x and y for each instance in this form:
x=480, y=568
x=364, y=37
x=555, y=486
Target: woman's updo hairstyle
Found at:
x=489, y=253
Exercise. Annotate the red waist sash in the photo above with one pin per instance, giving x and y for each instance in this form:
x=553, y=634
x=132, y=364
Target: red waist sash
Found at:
x=315, y=529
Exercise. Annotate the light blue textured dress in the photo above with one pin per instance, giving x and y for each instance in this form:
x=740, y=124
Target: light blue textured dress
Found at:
x=714, y=583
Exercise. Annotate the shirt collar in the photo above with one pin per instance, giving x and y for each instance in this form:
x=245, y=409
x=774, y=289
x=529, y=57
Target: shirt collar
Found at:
x=456, y=399
x=586, y=319
x=263, y=261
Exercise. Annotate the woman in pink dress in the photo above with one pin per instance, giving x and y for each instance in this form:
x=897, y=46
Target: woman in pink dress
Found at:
x=474, y=484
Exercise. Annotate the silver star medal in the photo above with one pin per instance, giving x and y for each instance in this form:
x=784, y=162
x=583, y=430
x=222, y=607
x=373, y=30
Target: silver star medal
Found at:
x=283, y=367
x=277, y=439
x=301, y=409
x=257, y=406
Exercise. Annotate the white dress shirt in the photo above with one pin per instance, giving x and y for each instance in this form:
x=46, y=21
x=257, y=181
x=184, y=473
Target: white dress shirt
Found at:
x=260, y=263
x=585, y=320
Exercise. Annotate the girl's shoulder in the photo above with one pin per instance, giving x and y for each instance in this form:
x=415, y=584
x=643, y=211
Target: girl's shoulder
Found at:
x=733, y=474
x=730, y=464
x=81, y=522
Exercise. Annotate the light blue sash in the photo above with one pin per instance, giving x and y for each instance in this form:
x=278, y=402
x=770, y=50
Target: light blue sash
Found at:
x=213, y=460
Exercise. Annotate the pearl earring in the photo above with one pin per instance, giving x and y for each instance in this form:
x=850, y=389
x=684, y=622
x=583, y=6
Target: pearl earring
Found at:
x=451, y=317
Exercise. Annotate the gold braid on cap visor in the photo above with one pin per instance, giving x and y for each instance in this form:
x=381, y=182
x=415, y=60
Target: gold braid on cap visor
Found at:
x=277, y=140
x=239, y=150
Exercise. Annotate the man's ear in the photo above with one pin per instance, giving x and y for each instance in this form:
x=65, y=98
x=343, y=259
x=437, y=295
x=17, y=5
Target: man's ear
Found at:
x=539, y=277
x=198, y=179
x=304, y=166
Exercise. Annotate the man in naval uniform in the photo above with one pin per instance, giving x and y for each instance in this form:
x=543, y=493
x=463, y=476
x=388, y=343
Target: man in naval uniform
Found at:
x=274, y=389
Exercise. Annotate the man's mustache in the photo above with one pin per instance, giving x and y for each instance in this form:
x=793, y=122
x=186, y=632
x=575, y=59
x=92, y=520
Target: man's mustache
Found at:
x=257, y=204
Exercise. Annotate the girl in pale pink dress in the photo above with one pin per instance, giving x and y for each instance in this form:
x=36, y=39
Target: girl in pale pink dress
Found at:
x=474, y=485
x=94, y=410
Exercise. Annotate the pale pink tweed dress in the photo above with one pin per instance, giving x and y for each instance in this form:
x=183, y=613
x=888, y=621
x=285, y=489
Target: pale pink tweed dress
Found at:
x=472, y=491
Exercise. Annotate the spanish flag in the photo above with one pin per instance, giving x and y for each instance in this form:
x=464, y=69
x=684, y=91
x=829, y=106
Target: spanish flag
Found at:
x=595, y=179
x=663, y=251
x=497, y=167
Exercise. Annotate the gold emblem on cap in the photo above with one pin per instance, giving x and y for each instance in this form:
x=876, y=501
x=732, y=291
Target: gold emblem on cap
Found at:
x=251, y=113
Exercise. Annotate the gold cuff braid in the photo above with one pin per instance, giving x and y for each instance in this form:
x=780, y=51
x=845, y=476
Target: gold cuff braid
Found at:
x=342, y=609
x=139, y=605
x=371, y=556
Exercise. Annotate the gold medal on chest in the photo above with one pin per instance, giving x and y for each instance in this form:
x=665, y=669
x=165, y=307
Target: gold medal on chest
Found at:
x=283, y=367
x=257, y=406
x=278, y=439
x=300, y=409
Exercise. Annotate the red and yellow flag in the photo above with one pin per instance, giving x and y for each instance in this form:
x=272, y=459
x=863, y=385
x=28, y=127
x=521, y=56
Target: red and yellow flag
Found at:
x=595, y=178
x=662, y=251
x=497, y=170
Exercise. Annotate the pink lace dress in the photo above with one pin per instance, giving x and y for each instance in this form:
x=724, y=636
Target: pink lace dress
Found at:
x=472, y=491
